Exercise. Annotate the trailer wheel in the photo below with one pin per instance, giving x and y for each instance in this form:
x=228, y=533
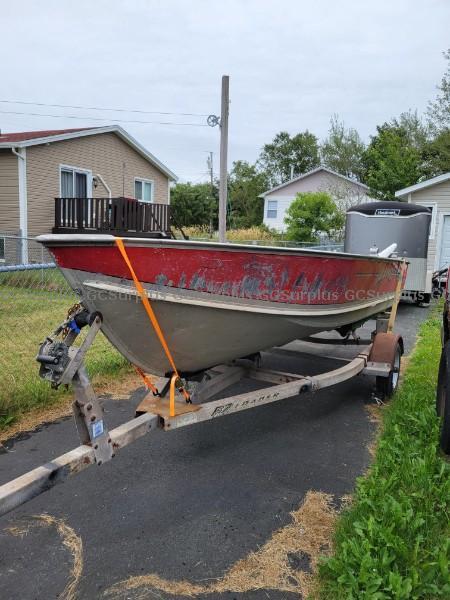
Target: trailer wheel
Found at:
x=443, y=398
x=386, y=386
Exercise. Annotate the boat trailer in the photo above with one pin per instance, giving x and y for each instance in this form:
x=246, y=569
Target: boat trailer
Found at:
x=164, y=406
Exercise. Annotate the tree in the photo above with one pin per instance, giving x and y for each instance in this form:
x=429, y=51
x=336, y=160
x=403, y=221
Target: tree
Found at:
x=193, y=204
x=417, y=133
x=436, y=155
x=342, y=151
x=391, y=162
x=300, y=152
x=439, y=110
x=245, y=186
x=310, y=214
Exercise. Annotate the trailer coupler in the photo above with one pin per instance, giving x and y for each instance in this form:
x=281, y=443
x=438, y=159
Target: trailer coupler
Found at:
x=61, y=363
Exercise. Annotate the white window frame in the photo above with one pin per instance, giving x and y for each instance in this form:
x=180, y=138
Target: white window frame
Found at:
x=143, y=180
x=3, y=259
x=433, y=206
x=275, y=210
x=74, y=170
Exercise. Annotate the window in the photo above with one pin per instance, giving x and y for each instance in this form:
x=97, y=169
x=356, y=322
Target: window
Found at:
x=75, y=183
x=143, y=190
x=272, y=209
x=433, y=208
x=2, y=249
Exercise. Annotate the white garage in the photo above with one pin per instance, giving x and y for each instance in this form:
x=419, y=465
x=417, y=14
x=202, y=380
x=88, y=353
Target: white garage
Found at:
x=435, y=194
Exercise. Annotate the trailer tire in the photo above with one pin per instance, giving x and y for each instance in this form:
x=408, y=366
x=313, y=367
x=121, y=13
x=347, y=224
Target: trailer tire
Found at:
x=443, y=398
x=386, y=386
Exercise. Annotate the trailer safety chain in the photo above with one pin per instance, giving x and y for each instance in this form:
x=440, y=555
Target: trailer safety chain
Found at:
x=73, y=310
x=176, y=379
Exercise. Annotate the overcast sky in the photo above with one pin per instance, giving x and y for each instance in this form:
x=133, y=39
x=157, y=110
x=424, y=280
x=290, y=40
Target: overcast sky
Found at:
x=292, y=65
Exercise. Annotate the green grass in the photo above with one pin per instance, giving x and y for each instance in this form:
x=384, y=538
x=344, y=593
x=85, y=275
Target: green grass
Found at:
x=51, y=280
x=260, y=233
x=28, y=312
x=394, y=541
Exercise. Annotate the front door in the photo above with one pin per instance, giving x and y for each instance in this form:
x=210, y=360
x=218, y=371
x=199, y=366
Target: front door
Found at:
x=80, y=190
x=444, y=256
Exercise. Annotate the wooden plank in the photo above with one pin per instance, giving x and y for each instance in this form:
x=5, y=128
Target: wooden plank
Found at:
x=134, y=215
x=101, y=216
x=72, y=213
x=147, y=217
x=139, y=218
x=96, y=213
x=92, y=206
x=107, y=212
x=57, y=213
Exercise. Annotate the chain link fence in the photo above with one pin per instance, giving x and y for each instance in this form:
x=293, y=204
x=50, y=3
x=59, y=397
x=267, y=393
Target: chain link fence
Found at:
x=34, y=299
x=325, y=244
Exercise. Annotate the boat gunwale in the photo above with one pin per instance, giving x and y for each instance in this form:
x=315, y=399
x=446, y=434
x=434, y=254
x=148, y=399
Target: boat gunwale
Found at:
x=176, y=295
x=71, y=239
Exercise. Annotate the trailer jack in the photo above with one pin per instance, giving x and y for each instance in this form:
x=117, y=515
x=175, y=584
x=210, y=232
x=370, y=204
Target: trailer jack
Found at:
x=62, y=364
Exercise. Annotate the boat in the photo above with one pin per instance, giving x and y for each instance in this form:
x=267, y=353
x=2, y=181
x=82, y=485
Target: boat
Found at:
x=218, y=302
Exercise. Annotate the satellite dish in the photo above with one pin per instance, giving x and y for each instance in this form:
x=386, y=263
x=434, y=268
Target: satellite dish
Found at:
x=213, y=120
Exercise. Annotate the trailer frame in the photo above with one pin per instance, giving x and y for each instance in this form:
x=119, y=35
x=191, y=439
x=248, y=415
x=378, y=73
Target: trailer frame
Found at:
x=99, y=445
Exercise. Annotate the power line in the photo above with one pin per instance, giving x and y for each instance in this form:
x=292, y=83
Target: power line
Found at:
x=131, y=110
x=86, y=118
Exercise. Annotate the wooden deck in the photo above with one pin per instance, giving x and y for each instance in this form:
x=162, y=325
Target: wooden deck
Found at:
x=118, y=216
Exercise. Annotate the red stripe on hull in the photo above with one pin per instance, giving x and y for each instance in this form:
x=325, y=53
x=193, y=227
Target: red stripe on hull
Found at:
x=285, y=278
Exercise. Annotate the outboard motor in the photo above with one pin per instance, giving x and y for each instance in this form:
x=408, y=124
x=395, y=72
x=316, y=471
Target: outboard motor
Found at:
x=376, y=225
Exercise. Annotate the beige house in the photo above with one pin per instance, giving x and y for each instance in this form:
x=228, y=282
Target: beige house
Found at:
x=37, y=166
x=345, y=192
x=434, y=194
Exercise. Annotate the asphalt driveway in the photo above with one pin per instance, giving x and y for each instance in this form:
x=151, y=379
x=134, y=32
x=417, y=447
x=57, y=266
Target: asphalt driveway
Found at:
x=185, y=505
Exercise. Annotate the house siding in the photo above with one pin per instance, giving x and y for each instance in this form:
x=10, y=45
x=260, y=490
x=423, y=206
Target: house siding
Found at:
x=440, y=195
x=9, y=192
x=283, y=203
x=105, y=154
x=345, y=194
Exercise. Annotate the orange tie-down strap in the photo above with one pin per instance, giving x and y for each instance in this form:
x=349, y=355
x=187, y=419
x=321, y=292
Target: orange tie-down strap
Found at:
x=147, y=380
x=154, y=321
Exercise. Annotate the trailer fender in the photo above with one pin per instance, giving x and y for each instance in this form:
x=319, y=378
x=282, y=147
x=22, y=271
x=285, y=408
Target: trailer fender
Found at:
x=384, y=347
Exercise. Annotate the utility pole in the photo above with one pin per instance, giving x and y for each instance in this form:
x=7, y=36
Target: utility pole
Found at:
x=223, y=157
x=209, y=162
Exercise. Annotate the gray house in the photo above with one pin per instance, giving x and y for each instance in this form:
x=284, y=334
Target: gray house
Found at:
x=345, y=192
x=435, y=194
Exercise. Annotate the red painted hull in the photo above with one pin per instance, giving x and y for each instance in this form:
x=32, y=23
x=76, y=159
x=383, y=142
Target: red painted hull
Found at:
x=298, y=278
x=216, y=303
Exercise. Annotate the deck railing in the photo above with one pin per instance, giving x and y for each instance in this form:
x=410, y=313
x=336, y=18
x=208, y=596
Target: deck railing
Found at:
x=119, y=216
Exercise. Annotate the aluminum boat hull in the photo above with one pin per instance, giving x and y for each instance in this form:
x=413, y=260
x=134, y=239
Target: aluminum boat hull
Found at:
x=216, y=303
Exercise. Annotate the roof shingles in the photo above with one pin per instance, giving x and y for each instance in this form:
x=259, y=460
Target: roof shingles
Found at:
x=23, y=136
